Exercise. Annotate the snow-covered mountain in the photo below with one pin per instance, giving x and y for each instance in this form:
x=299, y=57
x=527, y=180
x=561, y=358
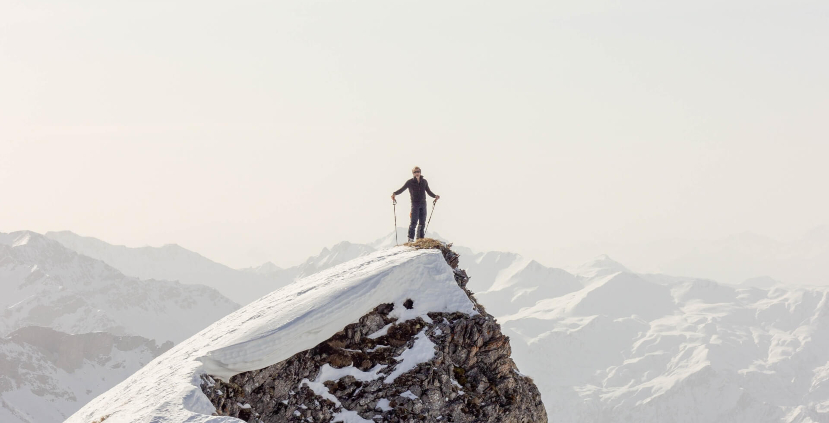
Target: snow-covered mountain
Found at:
x=605, y=344
x=386, y=336
x=46, y=375
x=803, y=260
x=266, y=268
x=46, y=284
x=171, y=263
x=328, y=257
x=74, y=326
x=506, y=282
x=599, y=266
x=599, y=315
x=652, y=348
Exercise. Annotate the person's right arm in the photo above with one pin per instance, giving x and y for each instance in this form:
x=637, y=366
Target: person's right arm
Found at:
x=398, y=192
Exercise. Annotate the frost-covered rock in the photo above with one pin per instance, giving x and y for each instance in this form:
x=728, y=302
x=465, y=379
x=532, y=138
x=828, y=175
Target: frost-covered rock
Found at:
x=389, y=334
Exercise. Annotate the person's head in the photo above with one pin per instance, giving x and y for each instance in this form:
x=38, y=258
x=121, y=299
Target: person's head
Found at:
x=416, y=171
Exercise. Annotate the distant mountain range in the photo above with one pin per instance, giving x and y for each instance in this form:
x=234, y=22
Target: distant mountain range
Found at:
x=171, y=263
x=803, y=260
x=46, y=284
x=654, y=348
x=73, y=326
x=604, y=343
x=46, y=375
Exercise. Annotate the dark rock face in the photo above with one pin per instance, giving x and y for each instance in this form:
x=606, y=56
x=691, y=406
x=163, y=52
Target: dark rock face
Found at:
x=469, y=378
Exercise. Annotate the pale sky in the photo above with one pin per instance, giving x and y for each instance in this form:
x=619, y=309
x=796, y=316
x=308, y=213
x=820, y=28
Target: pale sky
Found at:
x=255, y=131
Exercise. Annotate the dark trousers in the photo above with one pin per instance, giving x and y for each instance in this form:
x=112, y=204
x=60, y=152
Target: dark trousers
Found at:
x=418, y=214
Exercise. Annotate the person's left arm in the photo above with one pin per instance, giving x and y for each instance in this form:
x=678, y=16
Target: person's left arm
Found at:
x=428, y=191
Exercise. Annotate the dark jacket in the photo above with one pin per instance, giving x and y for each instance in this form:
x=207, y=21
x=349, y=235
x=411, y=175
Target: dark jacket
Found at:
x=417, y=190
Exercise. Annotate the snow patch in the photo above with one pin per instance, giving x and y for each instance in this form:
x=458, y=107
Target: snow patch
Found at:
x=409, y=395
x=382, y=332
x=22, y=240
x=422, y=351
x=384, y=404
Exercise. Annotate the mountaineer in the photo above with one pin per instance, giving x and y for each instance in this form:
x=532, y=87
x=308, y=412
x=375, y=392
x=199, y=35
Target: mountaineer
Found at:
x=418, y=188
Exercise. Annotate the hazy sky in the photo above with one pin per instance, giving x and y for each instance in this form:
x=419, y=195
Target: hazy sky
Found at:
x=254, y=131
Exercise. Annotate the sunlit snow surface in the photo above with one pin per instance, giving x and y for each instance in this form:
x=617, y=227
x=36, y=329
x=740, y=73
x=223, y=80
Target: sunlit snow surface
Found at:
x=273, y=328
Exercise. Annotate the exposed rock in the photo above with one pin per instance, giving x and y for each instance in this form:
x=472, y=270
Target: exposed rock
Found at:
x=449, y=367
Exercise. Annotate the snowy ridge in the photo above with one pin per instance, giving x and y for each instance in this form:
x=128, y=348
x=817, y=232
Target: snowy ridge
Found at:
x=269, y=330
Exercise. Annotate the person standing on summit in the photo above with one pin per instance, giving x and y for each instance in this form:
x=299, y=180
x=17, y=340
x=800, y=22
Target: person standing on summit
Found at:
x=418, y=188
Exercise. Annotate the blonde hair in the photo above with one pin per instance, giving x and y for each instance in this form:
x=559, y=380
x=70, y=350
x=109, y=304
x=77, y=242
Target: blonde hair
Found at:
x=415, y=168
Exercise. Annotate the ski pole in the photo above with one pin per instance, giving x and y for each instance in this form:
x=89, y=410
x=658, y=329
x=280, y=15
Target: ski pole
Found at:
x=394, y=204
x=434, y=203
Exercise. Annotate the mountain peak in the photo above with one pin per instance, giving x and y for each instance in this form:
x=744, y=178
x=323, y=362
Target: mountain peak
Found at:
x=385, y=319
x=399, y=237
x=170, y=262
x=602, y=265
x=21, y=238
x=263, y=269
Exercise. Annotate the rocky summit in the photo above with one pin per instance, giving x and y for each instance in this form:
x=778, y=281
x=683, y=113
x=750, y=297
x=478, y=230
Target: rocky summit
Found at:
x=446, y=367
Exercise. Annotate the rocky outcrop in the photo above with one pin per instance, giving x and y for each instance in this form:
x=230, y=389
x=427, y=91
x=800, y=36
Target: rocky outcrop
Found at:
x=447, y=367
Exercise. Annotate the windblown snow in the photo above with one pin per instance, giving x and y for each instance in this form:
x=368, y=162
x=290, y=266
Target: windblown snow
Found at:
x=273, y=328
